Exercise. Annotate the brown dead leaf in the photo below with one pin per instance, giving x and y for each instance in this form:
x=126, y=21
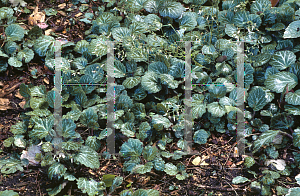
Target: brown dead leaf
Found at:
x=62, y=6
x=48, y=31
x=46, y=80
x=239, y=163
x=36, y=17
x=18, y=95
x=62, y=13
x=79, y=14
x=21, y=104
x=5, y=104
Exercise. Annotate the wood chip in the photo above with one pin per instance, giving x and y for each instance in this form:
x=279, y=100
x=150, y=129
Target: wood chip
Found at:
x=18, y=95
x=46, y=80
x=21, y=104
x=62, y=6
x=239, y=163
x=62, y=13
x=36, y=17
x=79, y=14
x=5, y=104
x=48, y=31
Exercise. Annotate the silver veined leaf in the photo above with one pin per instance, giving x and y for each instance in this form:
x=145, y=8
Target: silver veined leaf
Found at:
x=208, y=49
x=151, y=83
x=98, y=47
x=81, y=46
x=13, y=61
x=91, y=187
x=151, y=6
x=14, y=32
x=292, y=31
x=50, y=63
x=131, y=148
x=56, y=169
x=277, y=82
x=95, y=71
x=142, y=169
x=201, y=136
x=171, y=9
x=293, y=98
x=257, y=99
x=169, y=80
x=150, y=152
x=93, y=142
x=44, y=45
x=276, y=27
x=216, y=109
x=120, y=33
x=188, y=21
x=137, y=28
x=293, y=191
x=283, y=59
x=153, y=21
x=158, y=119
x=239, y=180
x=26, y=54
x=158, y=67
x=171, y=169
x=264, y=139
x=260, y=6
x=88, y=157
x=128, y=129
x=140, y=192
x=231, y=31
x=42, y=127
x=131, y=82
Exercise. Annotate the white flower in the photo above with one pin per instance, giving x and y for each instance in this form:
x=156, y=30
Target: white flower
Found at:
x=30, y=154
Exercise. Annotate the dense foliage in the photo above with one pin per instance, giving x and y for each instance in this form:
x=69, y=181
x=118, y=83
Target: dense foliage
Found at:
x=149, y=68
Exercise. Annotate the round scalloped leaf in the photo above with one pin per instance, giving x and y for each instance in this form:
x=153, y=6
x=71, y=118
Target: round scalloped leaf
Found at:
x=150, y=152
x=44, y=45
x=131, y=82
x=171, y=169
x=158, y=68
x=276, y=27
x=198, y=110
x=139, y=94
x=120, y=33
x=261, y=59
x=138, y=28
x=128, y=129
x=14, y=32
x=291, y=109
x=293, y=98
x=260, y=6
x=292, y=31
x=68, y=128
x=131, y=148
x=171, y=9
x=239, y=180
x=87, y=79
x=91, y=187
x=283, y=59
x=42, y=127
x=277, y=82
x=81, y=46
x=95, y=71
x=6, y=12
x=231, y=31
x=158, y=119
x=249, y=162
x=188, y=21
x=142, y=169
x=27, y=54
x=13, y=61
x=151, y=6
x=98, y=47
x=88, y=157
x=200, y=136
x=150, y=82
x=56, y=169
x=153, y=20
x=11, y=47
x=218, y=91
x=93, y=142
x=169, y=80
x=257, y=99
x=208, y=49
x=216, y=109
x=50, y=63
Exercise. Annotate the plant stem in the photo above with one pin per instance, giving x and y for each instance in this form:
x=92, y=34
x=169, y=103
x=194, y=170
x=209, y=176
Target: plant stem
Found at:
x=288, y=135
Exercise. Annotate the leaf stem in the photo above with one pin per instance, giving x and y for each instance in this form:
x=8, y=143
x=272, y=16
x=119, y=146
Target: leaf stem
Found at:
x=286, y=134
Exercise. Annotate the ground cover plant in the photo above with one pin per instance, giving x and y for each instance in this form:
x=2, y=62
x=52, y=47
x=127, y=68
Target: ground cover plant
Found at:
x=149, y=40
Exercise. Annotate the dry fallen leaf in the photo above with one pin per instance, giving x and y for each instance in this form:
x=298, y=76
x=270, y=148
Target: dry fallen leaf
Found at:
x=200, y=160
x=48, y=31
x=46, y=80
x=18, y=95
x=5, y=104
x=36, y=17
x=21, y=104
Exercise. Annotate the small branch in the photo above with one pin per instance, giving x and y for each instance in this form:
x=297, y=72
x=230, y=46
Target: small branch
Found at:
x=286, y=134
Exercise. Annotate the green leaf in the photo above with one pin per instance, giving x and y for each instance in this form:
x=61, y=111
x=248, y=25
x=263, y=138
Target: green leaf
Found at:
x=10, y=165
x=108, y=179
x=260, y=6
x=91, y=187
x=131, y=82
x=150, y=152
x=142, y=169
x=89, y=118
x=13, y=61
x=88, y=157
x=26, y=54
x=296, y=138
x=150, y=82
x=159, y=164
x=171, y=169
x=98, y=47
x=8, y=193
x=158, y=67
x=283, y=59
x=188, y=21
x=216, y=109
x=277, y=82
x=231, y=31
x=264, y=139
x=131, y=148
x=218, y=91
x=257, y=99
x=42, y=127
x=18, y=128
x=239, y=180
x=200, y=136
x=120, y=33
x=294, y=191
x=50, y=63
x=56, y=170
x=171, y=9
x=117, y=181
x=44, y=46
x=292, y=30
x=249, y=162
x=128, y=129
x=14, y=32
x=158, y=119
x=68, y=128
x=93, y=142
x=95, y=71
x=293, y=98
x=19, y=141
x=140, y=192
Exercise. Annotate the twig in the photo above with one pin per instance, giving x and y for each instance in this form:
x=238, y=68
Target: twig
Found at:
x=230, y=186
x=218, y=188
